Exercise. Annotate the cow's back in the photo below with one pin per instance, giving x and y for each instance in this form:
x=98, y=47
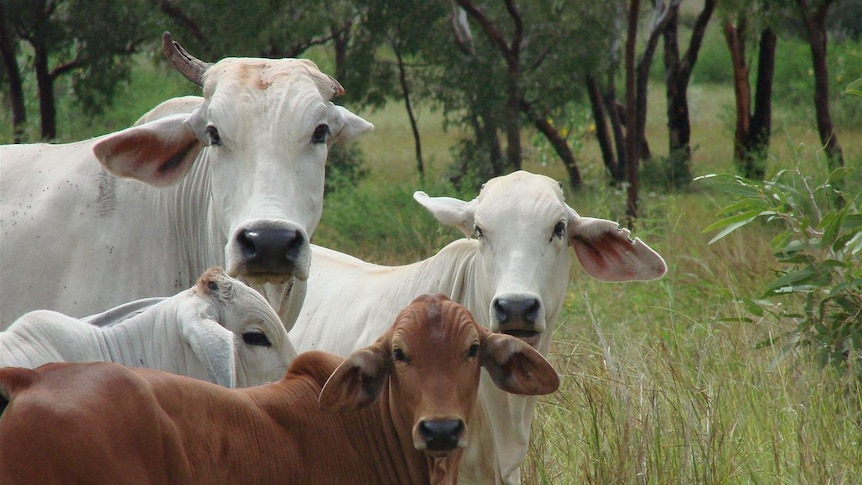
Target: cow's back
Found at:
x=49, y=439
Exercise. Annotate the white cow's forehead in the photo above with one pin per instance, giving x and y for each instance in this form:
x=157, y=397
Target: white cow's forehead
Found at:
x=537, y=197
x=260, y=73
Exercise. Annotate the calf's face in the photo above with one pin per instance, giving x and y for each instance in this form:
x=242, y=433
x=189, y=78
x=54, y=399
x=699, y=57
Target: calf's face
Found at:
x=431, y=359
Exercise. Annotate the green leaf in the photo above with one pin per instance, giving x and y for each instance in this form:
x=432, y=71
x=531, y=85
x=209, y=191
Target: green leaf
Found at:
x=731, y=224
x=744, y=205
x=732, y=184
x=785, y=284
x=830, y=225
x=854, y=88
x=839, y=174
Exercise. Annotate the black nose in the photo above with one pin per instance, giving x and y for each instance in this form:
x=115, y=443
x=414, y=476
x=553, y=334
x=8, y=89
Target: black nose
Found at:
x=510, y=310
x=442, y=434
x=270, y=250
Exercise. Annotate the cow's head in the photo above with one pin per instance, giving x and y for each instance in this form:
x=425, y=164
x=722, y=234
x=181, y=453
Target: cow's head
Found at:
x=234, y=331
x=431, y=358
x=260, y=139
x=523, y=229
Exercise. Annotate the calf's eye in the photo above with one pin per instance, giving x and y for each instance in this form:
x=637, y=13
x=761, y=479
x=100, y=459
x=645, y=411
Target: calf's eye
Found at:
x=399, y=356
x=256, y=338
x=474, y=350
x=212, y=136
x=477, y=232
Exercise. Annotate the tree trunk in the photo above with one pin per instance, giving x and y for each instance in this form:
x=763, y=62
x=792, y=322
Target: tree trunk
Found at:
x=405, y=88
x=603, y=136
x=513, y=123
x=617, y=119
x=561, y=147
x=761, y=121
x=735, y=37
x=45, y=82
x=815, y=24
x=631, y=113
x=16, y=87
x=677, y=76
x=751, y=137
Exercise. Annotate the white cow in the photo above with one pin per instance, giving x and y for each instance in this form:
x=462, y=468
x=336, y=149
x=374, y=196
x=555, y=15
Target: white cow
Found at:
x=220, y=330
x=238, y=182
x=512, y=276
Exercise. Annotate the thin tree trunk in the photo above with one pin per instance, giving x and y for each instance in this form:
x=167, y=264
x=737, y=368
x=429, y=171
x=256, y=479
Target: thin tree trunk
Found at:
x=603, y=136
x=815, y=24
x=45, y=82
x=735, y=37
x=631, y=113
x=16, y=87
x=677, y=76
x=617, y=119
x=761, y=120
x=405, y=88
x=561, y=147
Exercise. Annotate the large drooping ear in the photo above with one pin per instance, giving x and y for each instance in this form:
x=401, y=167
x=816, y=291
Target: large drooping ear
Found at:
x=157, y=153
x=608, y=253
x=357, y=382
x=449, y=211
x=345, y=125
x=214, y=347
x=212, y=343
x=516, y=367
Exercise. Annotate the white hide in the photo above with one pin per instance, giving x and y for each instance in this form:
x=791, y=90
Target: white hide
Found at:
x=79, y=236
x=203, y=332
x=523, y=228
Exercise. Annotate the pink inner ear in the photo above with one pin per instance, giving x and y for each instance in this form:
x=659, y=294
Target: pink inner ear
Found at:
x=157, y=153
x=611, y=256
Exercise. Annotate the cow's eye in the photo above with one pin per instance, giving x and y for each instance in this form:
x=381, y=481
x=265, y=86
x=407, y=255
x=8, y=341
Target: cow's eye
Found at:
x=398, y=355
x=560, y=229
x=474, y=350
x=477, y=232
x=256, y=338
x=320, y=133
x=213, y=136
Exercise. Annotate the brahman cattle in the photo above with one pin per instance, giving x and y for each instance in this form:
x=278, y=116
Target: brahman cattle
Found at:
x=401, y=413
x=220, y=330
x=512, y=275
x=238, y=183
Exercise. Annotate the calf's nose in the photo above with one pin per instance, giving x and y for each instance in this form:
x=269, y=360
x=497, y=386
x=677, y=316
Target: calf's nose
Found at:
x=441, y=434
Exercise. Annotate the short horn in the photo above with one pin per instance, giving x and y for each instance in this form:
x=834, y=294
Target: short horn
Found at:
x=188, y=65
x=337, y=88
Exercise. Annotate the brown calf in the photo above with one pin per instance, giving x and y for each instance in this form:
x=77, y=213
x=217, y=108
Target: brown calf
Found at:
x=394, y=412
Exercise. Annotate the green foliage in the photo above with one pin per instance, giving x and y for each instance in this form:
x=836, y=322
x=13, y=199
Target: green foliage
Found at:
x=382, y=223
x=344, y=167
x=817, y=247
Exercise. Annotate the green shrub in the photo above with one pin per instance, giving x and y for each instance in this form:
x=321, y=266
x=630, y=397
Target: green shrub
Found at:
x=817, y=249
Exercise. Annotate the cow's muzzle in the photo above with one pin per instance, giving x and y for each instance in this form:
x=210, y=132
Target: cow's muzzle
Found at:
x=270, y=252
x=520, y=316
x=440, y=435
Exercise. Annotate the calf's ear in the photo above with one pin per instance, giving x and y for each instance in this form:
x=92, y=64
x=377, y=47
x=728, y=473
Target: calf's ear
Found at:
x=516, y=367
x=357, y=382
x=214, y=346
x=608, y=253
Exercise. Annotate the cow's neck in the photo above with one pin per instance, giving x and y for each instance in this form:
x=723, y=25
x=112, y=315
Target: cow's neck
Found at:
x=200, y=240
x=454, y=271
